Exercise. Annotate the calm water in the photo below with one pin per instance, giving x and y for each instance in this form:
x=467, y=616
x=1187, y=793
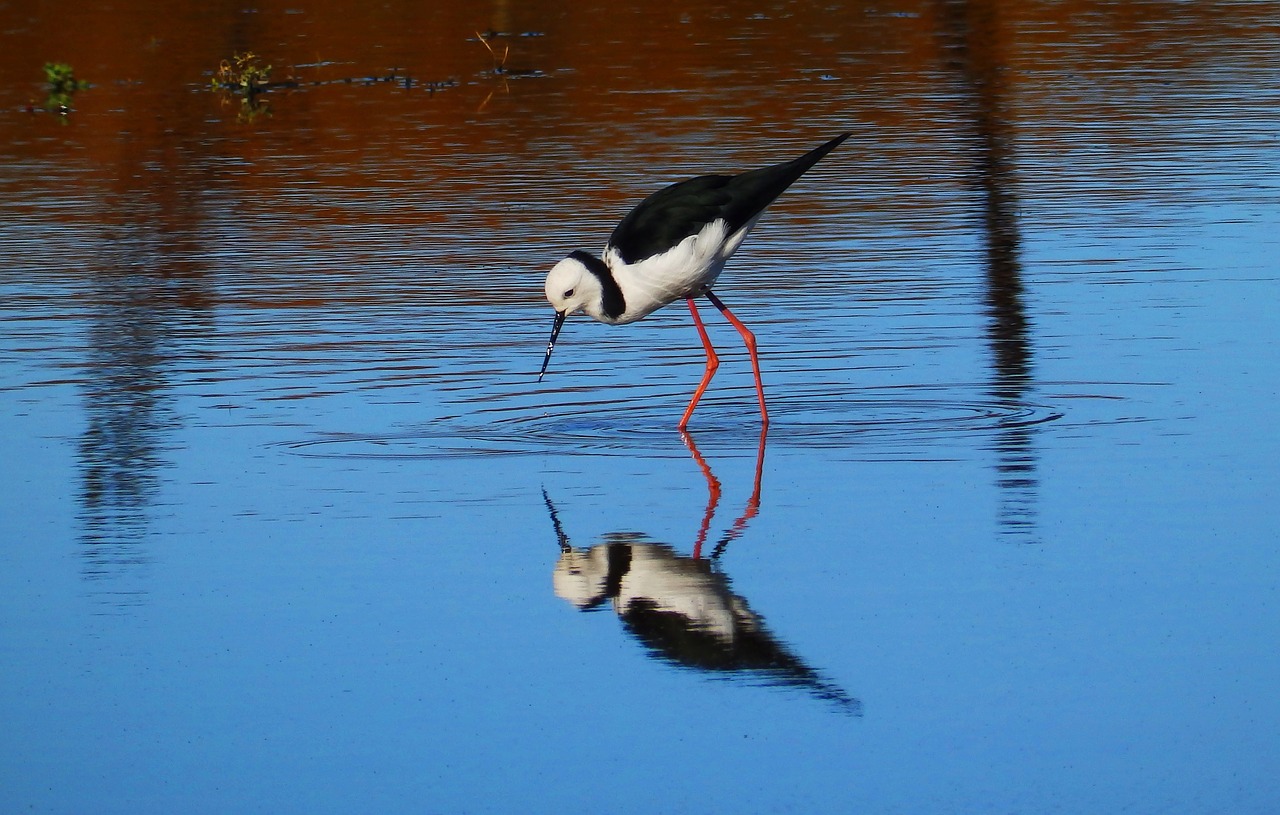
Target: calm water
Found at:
x=290, y=525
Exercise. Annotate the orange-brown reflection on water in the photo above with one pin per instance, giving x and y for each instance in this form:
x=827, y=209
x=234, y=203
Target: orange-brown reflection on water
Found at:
x=651, y=90
x=346, y=195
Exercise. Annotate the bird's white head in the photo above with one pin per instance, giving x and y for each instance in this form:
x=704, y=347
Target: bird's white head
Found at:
x=572, y=287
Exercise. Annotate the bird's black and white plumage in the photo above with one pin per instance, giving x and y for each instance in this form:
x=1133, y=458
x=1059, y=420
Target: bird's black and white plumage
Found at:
x=673, y=246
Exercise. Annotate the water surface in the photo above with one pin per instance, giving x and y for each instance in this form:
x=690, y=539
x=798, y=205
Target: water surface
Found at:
x=291, y=526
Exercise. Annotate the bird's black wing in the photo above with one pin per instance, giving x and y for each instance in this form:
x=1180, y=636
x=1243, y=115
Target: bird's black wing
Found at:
x=674, y=213
x=669, y=216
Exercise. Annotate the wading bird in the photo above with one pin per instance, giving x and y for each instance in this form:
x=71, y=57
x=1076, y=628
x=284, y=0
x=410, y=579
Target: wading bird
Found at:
x=671, y=247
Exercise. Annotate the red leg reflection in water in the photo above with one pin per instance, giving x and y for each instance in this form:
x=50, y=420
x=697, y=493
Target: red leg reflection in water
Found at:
x=713, y=497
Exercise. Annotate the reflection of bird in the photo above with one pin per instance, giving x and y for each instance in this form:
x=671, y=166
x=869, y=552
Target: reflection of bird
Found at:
x=682, y=609
x=671, y=247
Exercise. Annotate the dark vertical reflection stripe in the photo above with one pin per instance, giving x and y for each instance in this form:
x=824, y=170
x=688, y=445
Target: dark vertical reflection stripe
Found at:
x=148, y=294
x=972, y=37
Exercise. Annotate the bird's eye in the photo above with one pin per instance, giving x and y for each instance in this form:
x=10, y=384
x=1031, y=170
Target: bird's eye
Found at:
x=568, y=293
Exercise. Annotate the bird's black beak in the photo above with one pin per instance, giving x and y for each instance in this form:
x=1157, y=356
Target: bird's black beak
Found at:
x=555, y=332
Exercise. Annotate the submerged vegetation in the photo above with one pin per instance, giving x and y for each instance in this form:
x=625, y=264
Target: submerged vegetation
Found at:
x=248, y=76
x=62, y=84
x=62, y=78
x=243, y=73
x=500, y=63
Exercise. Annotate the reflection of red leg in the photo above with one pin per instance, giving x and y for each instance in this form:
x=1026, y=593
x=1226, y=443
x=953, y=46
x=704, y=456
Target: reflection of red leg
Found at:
x=749, y=340
x=713, y=494
x=753, y=503
x=713, y=362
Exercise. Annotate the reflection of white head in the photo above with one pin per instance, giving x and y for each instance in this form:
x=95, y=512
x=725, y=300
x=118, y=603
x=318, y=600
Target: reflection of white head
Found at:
x=581, y=576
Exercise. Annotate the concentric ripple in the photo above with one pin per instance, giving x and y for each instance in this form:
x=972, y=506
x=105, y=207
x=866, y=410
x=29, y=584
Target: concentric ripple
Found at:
x=890, y=423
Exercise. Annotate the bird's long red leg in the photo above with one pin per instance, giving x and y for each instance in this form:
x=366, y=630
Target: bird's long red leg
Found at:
x=713, y=362
x=749, y=340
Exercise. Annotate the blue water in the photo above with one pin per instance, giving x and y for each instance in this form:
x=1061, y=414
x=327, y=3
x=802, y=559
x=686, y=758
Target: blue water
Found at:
x=291, y=526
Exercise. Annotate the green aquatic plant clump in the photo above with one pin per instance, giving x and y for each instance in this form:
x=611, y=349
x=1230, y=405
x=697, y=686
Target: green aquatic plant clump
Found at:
x=62, y=78
x=62, y=83
x=243, y=72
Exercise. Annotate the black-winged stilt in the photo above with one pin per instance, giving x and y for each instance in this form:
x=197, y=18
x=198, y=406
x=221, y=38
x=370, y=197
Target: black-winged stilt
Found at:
x=671, y=247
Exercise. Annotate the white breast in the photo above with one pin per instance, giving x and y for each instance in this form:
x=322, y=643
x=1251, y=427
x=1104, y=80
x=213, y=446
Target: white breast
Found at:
x=686, y=270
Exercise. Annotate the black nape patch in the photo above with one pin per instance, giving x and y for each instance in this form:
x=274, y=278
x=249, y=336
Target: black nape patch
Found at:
x=611, y=295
